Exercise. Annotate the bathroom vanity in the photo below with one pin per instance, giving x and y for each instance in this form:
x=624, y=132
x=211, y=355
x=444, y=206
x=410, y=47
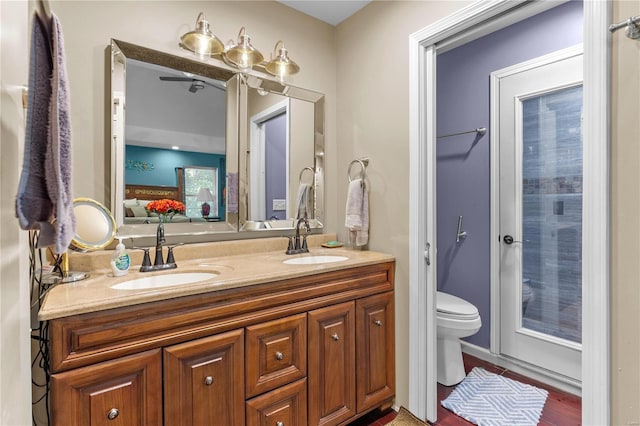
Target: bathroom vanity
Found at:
x=262, y=343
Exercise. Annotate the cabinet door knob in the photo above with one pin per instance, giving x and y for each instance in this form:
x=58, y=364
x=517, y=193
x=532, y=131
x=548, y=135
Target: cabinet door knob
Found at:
x=335, y=336
x=279, y=423
x=378, y=323
x=113, y=413
x=279, y=356
x=208, y=380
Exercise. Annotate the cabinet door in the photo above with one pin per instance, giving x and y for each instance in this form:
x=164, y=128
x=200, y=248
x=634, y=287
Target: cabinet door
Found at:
x=375, y=350
x=123, y=392
x=204, y=381
x=331, y=358
x=285, y=406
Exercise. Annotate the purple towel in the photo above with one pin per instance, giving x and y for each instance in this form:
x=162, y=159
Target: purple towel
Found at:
x=44, y=191
x=58, y=167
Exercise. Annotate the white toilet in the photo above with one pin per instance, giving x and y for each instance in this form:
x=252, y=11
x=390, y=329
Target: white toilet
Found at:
x=456, y=318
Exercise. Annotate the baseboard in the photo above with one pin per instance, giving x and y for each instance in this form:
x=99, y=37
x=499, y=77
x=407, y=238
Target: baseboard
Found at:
x=536, y=373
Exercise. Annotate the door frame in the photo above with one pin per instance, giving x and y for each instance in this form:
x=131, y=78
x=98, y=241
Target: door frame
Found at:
x=494, y=143
x=422, y=277
x=257, y=154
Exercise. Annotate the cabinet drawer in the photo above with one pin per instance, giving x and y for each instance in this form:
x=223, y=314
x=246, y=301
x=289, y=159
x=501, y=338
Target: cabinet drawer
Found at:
x=276, y=353
x=285, y=406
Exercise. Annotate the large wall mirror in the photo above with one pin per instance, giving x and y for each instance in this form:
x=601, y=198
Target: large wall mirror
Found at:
x=201, y=134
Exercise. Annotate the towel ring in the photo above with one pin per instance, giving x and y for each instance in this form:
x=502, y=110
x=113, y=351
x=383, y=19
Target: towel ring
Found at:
x=302, y=173
x=364, y=162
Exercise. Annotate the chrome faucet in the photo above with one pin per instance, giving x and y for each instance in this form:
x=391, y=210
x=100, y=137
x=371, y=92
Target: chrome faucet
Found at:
x=158, y=264
x=295, y=247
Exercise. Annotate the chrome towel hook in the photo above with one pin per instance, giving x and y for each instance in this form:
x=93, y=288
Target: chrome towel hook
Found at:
x=364, y=162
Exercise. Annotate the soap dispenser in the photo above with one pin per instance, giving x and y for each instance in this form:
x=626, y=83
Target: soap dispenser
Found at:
x=120, y=260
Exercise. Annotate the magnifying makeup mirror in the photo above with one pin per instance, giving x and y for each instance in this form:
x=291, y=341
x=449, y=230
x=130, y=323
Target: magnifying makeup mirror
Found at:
x=95, y=230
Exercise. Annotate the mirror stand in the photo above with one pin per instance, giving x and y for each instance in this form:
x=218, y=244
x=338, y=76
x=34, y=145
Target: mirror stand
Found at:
x=70, y=276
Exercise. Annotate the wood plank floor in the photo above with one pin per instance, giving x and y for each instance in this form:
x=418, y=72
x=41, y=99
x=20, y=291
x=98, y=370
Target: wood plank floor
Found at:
x=561, y=408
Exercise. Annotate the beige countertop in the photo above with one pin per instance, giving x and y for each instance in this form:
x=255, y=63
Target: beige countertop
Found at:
x=237, y=263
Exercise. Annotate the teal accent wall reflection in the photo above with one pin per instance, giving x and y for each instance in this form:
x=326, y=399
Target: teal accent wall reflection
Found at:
x=165, y=162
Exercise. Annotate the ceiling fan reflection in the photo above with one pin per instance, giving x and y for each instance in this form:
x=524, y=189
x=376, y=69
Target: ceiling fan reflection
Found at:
x=196, y=84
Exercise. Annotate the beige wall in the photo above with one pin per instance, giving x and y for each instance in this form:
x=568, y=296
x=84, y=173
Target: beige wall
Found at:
x=373, y=121
x=625, y=222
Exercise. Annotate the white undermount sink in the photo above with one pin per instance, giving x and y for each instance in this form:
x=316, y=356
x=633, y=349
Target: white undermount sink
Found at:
x=314, y=260
x=166, y=280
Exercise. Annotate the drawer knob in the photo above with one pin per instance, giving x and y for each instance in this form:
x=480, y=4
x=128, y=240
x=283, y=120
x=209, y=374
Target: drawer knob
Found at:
x=279, y=356
x=208, y=380
x=113, y=413
x=378, y=323
x=279, y=423
x=335, y=336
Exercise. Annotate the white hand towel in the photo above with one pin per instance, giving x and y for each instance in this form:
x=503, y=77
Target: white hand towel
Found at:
x=357, y=212
x=304, y=194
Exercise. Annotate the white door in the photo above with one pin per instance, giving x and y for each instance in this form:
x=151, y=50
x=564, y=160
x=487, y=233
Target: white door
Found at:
x=539, y=115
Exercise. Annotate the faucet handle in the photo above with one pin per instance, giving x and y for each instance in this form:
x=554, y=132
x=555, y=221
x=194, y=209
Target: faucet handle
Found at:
x=170, y=258
x=146, y=260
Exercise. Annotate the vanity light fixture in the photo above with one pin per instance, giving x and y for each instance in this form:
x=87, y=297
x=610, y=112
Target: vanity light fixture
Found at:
x=280, y=64
x=201, y=40
x=239, y=54
x=243, y=55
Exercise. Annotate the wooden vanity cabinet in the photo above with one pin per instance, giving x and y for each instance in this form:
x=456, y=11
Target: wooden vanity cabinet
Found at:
x=122, y=392
x=375, y=351
x=203, y=381
x=332, y=362
x=311, y=350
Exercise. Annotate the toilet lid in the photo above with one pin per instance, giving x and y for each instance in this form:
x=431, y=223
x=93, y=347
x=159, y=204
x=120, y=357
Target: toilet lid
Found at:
x=450, y=304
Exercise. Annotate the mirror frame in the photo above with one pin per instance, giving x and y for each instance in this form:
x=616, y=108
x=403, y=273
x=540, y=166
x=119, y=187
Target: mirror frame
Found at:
x=78, y=243
x=230, y=229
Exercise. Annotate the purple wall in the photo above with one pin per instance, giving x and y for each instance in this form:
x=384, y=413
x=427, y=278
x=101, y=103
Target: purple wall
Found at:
x=463, y=169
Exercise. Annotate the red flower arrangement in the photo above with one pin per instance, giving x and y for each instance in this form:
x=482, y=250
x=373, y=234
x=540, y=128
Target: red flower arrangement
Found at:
x=165, y=208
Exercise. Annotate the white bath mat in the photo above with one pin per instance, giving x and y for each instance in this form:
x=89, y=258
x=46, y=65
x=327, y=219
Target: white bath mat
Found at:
x=486, y=399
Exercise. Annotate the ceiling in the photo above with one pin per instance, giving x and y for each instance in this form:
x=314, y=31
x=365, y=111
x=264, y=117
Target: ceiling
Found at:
x=330, y=11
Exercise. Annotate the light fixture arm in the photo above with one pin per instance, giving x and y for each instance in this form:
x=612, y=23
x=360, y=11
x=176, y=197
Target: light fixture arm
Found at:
x=275, y=48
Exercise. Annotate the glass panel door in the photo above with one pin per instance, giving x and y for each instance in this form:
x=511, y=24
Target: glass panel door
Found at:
x=538, y=107
x=552, y=214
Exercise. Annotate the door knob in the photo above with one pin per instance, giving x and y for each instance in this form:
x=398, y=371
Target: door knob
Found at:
x=508, y=239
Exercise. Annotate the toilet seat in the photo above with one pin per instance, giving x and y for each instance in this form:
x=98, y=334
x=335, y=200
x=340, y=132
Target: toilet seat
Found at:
x=452, y=307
